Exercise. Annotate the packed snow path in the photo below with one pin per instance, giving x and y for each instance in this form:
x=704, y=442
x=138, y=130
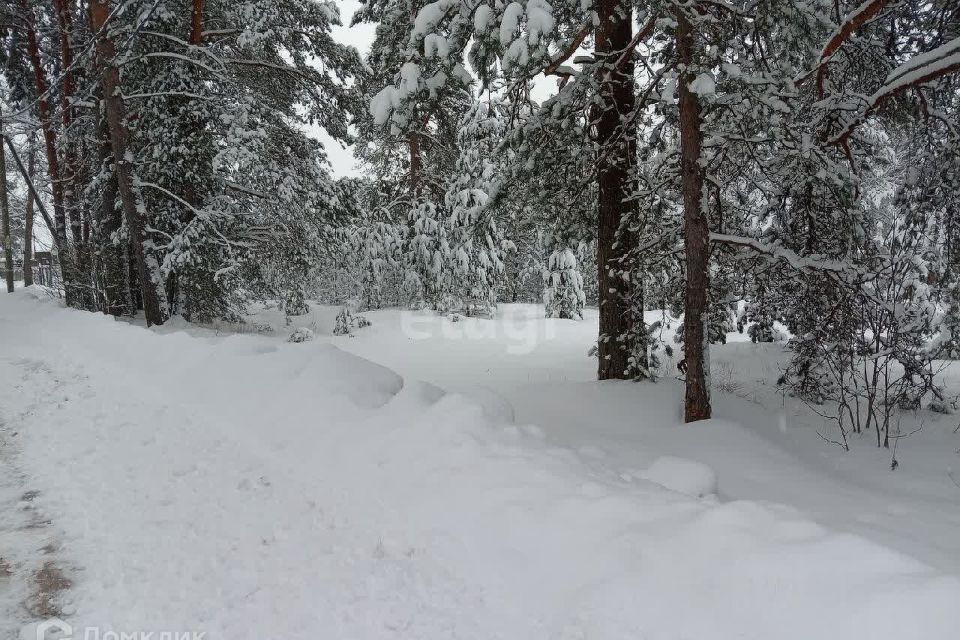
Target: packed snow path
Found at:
x=247, y=488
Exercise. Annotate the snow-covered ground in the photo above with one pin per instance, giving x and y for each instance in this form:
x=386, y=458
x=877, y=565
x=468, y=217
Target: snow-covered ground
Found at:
x=763, y=446
x=245, y=487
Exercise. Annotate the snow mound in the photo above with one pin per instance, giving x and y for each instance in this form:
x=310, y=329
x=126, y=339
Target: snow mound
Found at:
x=683, y=476
x=38, y=292
x=495, y=406
x=301, y=334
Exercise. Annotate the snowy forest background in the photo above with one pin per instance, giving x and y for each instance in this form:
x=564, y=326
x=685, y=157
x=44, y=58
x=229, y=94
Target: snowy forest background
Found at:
x=786, y=169
x=514, y=319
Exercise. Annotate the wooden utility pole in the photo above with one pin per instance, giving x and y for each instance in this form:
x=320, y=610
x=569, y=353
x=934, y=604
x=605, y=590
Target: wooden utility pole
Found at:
x=28, y=178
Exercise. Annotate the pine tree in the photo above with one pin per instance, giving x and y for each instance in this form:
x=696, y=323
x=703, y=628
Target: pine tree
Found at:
x=478, y=246
x=563, y=294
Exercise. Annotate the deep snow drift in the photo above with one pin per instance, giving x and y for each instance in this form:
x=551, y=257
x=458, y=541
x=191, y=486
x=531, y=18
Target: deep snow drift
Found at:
x=249, y=488
x=763, y=445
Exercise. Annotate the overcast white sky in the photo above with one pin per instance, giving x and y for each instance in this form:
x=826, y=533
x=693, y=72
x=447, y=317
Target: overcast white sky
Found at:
x=341, y=160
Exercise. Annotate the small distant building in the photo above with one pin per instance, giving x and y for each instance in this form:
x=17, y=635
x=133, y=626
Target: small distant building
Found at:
x=44, y=266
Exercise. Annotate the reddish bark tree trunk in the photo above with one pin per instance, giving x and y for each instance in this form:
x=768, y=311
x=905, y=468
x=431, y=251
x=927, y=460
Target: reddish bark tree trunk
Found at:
x=854, y=21
x=71, y=175
x=68, y=89
x=115, y=113
x=696, y=237
x=616, y=153
x=191, y=192
x=113, y=264
x=416, y=162
x=196, y=22
x=50, y=145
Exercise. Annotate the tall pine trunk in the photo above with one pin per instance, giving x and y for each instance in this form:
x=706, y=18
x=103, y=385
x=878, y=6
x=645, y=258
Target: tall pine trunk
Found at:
x=111, y=257
x=71, y=173
x=180, y=293
x=696, y=236
x=67, y=90
x=616, y=153
x=116, y=123
x=53, y=162
x=5, y=216
x=413, y=137
x=28, y=219
x=196, y=22
x=416, y=162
